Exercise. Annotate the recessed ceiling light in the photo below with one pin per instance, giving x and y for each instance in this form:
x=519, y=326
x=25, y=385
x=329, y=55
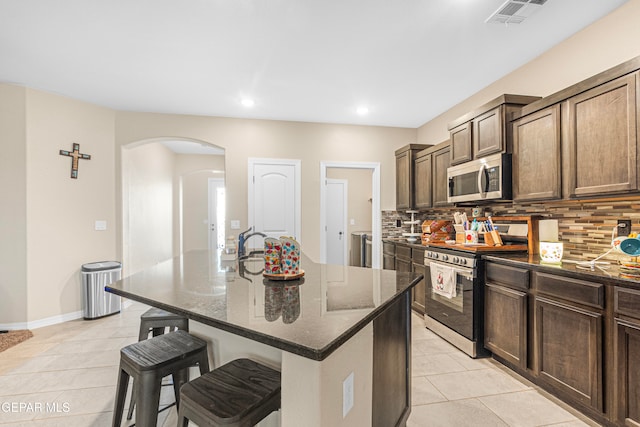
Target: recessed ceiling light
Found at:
x=362, y=111
x=248, y=102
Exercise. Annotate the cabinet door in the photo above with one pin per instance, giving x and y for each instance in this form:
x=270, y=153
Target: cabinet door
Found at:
x=419, y=291
x=440, y=184
x=461, y=143
x=488, y=137
x=403, y=180
x=627, y=374
x=536, y=155
x=403, y=265
x=505, y=327
x=422, y=182
x=568, y=344
x=601, y=139
x=388, y=262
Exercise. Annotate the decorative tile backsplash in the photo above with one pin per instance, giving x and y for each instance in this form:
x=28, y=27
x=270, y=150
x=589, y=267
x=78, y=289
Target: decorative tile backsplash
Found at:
x=584, y=227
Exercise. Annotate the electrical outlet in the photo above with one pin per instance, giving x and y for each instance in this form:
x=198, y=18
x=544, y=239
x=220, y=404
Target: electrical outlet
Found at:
x=624, y=227
x=398, y=223
x=347, y=395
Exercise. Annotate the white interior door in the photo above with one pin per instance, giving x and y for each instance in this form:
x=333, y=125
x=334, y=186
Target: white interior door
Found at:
x=336, y=232
x=274, y=198
x=216, y=214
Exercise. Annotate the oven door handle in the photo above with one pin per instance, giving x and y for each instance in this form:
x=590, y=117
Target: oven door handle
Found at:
x=465, y=272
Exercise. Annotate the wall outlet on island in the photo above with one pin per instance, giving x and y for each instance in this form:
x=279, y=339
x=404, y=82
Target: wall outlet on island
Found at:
x=347, y=395
x=398, y=223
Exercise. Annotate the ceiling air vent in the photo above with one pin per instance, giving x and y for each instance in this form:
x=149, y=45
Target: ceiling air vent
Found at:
x=515, y=11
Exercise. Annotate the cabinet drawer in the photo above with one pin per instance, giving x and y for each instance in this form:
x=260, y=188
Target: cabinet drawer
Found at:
x=510, y=276
x=627, y=302
x=388, y=248
x=403, y=252
x=574, y=290
x=417, y=256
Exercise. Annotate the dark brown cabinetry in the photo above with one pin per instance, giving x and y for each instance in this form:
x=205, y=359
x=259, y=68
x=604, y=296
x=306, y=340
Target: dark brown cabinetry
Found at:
x=423, y=180
x=419, y=291
x=405, y=170
x=486, y=130
x=536, y=156
x=602, y=143
x=388, y=255
x=441, y=161
x=410, y=258
x=626, y=357
x=568, y=336
x=505, y=326
x=431, y=184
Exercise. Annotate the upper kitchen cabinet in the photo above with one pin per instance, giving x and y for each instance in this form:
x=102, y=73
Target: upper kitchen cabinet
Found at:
x=581, y=141
x=405, y=171
x=602, y=142
x=423, y=184
x=441, y=161
x=536, y=155
x=431, y=182
x=485, y=130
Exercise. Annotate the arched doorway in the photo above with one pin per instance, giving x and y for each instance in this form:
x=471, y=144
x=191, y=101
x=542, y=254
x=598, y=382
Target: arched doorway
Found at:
x=160, y=182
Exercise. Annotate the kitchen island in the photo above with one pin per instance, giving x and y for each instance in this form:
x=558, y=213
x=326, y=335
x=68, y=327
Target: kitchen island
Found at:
x=341, y=336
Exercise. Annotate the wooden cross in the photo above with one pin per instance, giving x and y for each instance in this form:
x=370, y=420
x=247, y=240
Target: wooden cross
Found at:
x=76, y=157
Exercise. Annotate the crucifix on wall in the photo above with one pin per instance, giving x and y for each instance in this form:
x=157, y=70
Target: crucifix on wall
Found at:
x=76, y=155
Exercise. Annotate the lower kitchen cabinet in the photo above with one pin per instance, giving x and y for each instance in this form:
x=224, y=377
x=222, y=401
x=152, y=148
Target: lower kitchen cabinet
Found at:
x=419, y=291
x=506, y=314
x=388, y=255
x=412, y=259
x=568, y=340
x=505, y=327
x=626, y=357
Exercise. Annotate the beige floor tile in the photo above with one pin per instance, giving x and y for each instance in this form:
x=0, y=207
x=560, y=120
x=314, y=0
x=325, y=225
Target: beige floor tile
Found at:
x=423, y=392
x=41, y=382
x=461, y=413
x=434, y=364
x=87, y=346
x=26, y=349
x=433, y=346
x=526, y=409
x=83, y=402
x=481, y=382
x=472, y=364
x=576, y=423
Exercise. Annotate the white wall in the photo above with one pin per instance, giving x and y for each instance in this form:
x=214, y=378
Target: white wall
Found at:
x=309, y=142
x=61, y=212
x=13, y=205
x=606, y=43
x=148, y=172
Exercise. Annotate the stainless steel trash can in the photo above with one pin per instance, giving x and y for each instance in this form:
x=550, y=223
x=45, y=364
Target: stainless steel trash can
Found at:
x=95, y=276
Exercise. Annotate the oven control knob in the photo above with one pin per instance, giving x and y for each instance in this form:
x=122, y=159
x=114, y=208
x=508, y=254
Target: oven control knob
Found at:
x=445, y=257
x=456, y=260
x=435, y=256
x=463, y=261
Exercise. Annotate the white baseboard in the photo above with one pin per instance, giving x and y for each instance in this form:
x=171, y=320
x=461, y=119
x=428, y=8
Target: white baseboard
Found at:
x=53, y=320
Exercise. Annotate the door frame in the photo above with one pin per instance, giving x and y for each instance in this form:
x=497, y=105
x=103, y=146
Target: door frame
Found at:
x=210, y=182
x=345, y=203
x=376, y=214
x=251, y=162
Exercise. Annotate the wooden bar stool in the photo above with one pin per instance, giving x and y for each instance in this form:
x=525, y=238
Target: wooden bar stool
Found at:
x=238, y=394
x=156, y=319
x=147, y=362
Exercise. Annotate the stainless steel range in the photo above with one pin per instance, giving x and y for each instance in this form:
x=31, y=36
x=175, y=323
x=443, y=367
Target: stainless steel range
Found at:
x=454, y=306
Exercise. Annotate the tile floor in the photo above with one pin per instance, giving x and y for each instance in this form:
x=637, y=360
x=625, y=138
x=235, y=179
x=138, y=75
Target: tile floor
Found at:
x=66, y=376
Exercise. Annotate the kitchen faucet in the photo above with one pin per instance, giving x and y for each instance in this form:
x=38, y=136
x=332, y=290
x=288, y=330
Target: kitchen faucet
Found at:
x=242, y=240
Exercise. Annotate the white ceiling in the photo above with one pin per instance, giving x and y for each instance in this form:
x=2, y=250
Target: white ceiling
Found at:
x=302, y=60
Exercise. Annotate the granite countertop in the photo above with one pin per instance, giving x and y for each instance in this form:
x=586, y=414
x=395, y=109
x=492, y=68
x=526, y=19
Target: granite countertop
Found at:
x=310, y=317
x=403, y=241
x=611, y=275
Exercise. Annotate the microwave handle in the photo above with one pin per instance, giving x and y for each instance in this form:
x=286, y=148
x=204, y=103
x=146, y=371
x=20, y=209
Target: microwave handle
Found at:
x=483, y=168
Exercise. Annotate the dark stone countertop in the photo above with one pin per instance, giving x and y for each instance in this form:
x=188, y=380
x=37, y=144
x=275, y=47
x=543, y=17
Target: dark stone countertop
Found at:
x=611, y=275
x=310, y=317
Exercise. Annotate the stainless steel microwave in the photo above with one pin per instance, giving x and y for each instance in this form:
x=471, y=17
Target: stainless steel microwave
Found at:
x=488, y=178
